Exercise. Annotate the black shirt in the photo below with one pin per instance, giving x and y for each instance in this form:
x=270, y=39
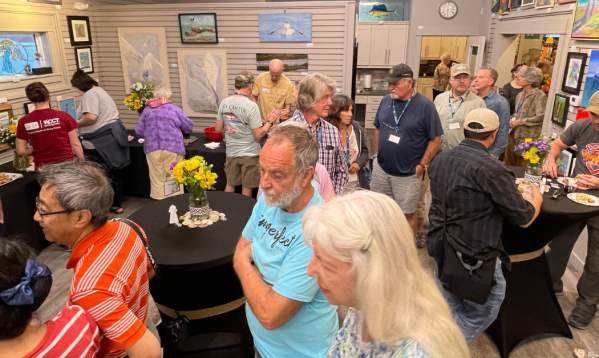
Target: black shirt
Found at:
x=479, y=193
x=510, y=94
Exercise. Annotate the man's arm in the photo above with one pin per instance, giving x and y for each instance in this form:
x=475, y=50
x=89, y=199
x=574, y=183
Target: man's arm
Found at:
x=146, y=346
x=375, y=142
x=261, y=131
x=87, y=119
x=535, y=198
x=21, y=147
x=270, y=308
x=550, y=167
x=219, y=126
x=501, y=139
x=76, y=144
x=432, y=149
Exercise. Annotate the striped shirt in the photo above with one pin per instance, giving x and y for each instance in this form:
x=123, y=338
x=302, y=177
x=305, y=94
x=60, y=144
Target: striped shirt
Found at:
x=111, y=283
x=72, y=333
x=330, y=152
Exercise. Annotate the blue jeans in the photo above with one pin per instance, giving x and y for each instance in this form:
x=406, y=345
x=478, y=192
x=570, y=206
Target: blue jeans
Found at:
x=473, y=318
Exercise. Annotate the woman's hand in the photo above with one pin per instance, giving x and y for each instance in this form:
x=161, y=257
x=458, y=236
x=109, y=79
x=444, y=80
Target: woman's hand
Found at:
x=514, y=122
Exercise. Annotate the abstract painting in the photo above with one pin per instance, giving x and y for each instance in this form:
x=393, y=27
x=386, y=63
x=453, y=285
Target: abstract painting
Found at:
x=592, y=79
x=292, y=62
x=83, y=55
x=287, y=27
x=198, y=28
x=586, y=19
x=143, y=54
x=203, y=77
x=383, y=10
x=79, y=31
x=574, y=69
x=68, y=105
x=559, y=115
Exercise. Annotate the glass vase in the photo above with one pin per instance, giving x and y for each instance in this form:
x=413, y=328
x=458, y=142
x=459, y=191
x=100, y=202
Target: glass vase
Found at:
x=198, y=205
x=533, y=173
x=20, y=162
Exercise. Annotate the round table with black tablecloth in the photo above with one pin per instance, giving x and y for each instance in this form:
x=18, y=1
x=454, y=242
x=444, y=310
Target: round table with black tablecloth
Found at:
x=196, y=276
x=530, y=307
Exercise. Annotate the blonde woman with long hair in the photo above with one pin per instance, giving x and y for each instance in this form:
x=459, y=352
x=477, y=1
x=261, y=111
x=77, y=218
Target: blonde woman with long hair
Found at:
x=365, y=258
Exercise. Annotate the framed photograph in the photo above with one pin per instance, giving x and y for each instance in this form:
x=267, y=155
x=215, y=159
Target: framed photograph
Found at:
x=28, y=107
x=584, y=26
x=79, y=30
x=575, y=64
x=198, y=28
x=292, y=62
x=69, y=106
x=527, y=3
x=566, y=160
x=542, y=4
x=83, y=55
x=559, y=115
x=285, y=27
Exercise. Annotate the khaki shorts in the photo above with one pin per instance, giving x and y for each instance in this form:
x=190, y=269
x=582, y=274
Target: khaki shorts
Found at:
x=244, y=171
x=404, y=190
x=159, y=162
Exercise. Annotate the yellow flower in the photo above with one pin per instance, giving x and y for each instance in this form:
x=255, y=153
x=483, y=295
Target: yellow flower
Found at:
x=12, y=128
x=526, y=140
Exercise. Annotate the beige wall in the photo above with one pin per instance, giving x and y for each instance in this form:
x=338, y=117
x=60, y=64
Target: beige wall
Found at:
x=44, y=18
x=331, y=50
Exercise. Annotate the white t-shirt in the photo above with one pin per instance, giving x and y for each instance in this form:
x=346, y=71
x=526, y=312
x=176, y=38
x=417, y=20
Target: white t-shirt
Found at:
x=98, y=102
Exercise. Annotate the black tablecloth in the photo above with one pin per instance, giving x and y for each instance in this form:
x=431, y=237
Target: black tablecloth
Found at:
x=555, y=217
x=137, y=180
x=18, y=203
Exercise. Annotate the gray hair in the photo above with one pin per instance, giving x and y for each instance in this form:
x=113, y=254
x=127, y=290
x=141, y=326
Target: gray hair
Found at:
x=494, y=74
x=534, y=76
x=305, y=145
x=80, y=185
x=312, y=89
x=162, y=91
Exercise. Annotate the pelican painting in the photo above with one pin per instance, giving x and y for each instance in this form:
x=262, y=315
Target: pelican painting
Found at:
x=288, y=27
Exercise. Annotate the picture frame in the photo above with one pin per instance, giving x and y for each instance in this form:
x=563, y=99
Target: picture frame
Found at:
x=69, y=106
x=584, y=27
x=285, y=27
x=527, y=4
x=567, y=160
x=561, y=104
x=544, y=4
x=28, y=107
x=560, y=2
x=52, y=2
x=198, y=28
x=573, y=75
x=514, y=4
x=84, y=58
x=6, y=114
x=79, y=30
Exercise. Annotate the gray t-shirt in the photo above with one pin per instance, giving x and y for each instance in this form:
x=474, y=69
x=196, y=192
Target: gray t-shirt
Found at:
x=98, y=102
x=586, y=137
x=240, y=115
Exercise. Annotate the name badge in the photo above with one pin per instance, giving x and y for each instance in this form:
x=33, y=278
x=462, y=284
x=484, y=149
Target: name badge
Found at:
x=393, y=138
x=454, y=125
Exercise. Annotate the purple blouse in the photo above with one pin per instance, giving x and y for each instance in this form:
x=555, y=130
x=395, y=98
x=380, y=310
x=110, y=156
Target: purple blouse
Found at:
x=162, y=127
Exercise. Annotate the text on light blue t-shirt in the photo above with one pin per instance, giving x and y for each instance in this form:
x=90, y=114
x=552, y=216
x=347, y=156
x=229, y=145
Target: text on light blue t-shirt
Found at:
x=282, y=257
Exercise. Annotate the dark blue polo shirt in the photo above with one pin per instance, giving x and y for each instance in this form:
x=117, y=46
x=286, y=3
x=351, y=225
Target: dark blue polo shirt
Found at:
x=417, y=126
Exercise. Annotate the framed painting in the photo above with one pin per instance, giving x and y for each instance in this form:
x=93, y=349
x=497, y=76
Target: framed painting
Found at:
x=69, y=106
x=203, y=77
x=527, y=3
x=561, y=104
x=28, y=107
x=383, y=10
x=198, y=28
x=591, y=84
x=143, y=56
x=575, y=64
x=566, y=163
x=514, y=4
x=585, y=20
x=565, y=1
x=52, y=2
x=286, y=27
x=79, y=30
x=83, y=55
x=543, y=4
x=292, y=62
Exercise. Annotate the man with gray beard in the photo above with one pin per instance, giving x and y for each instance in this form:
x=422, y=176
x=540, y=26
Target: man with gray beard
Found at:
x=287, y=313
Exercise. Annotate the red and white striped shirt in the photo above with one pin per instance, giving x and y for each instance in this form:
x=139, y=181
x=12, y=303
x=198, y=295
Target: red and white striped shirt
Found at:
x=72, y=333
x=111, y=283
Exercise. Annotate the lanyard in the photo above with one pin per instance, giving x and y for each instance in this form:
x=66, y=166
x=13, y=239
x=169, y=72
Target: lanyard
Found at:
x=520, y=104
x=398, y=119
x=451, y=106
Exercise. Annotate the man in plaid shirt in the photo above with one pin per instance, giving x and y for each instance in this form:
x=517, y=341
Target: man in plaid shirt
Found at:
x=313, y=103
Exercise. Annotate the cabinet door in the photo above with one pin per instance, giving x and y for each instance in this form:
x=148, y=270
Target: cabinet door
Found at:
x=379, y=43
x=363, y=34
x=430, y=47
x=448, y=46
x=398, y=42
x=461, y=45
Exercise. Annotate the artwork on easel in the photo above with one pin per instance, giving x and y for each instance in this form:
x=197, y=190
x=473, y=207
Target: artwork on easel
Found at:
x=286, y=27
x=143, y=54
x=203, y=78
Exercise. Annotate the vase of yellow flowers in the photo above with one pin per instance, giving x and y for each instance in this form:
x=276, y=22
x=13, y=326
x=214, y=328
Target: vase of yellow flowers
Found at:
x=8, y=136
x=534, y=152
x=141, y=92
x=197, y=177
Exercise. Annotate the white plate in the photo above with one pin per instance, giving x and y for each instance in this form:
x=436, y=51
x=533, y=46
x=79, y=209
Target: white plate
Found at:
x=6, y=178
x=593, y=200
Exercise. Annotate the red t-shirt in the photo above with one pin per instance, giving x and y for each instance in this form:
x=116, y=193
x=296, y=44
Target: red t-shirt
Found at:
x=72, y=333
x=48, y=132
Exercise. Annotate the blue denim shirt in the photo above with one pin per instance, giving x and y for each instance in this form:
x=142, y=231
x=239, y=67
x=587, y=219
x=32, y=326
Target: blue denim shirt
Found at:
x=498, y=104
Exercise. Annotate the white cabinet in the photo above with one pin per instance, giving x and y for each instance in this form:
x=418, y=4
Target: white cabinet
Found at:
x=382, y=45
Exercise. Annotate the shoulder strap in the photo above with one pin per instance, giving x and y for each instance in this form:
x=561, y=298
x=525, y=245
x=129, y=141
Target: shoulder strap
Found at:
x=142, y=236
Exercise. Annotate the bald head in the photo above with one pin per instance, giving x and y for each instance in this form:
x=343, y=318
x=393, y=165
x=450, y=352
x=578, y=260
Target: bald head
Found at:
x=275, y=67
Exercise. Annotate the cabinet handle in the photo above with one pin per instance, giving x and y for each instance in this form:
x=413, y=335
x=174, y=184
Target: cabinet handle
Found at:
x=388, y=53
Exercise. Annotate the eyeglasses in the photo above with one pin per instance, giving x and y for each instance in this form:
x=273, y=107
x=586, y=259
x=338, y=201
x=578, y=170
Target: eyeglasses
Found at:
x=42, y=213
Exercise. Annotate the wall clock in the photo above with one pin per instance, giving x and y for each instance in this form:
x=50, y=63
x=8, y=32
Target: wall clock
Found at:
x=448, y=10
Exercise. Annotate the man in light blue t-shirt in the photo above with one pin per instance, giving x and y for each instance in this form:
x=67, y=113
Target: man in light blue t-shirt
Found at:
x=239, y=118
x=287, y=313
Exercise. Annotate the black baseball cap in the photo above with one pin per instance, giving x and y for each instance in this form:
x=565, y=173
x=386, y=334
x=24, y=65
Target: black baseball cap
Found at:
x=398, y=72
